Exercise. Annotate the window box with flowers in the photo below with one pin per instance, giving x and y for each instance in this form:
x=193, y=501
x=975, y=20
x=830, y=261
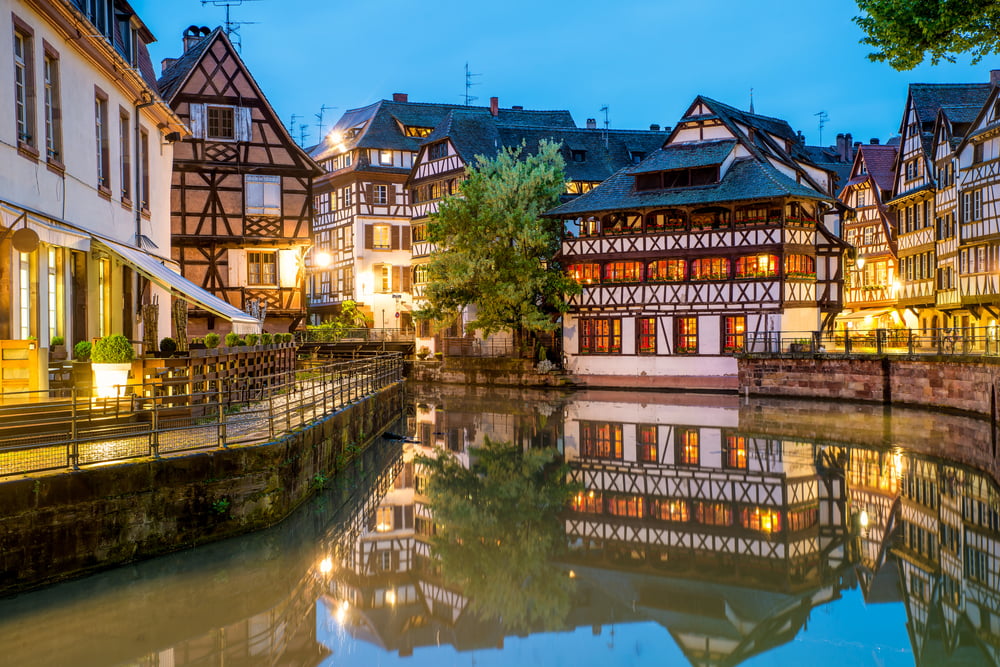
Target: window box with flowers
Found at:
x=732, y=349
x=801, y=275
x=800, y=222
x=686, y=349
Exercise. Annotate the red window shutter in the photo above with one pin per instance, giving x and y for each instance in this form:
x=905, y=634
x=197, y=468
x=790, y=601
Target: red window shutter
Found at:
x=406, y=238
x=395, y=237
x=369, y=237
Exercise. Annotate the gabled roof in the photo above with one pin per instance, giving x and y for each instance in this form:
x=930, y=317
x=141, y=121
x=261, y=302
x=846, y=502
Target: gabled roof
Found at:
x=960, y=102
x=173, y=77
x=979, y=121
x=747, y=179
x=879, y=160
x=681, y=156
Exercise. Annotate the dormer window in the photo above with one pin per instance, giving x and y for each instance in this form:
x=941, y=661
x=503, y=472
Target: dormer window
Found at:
x=579, y=156
x=437, y=151
x=677, y=178
x=416, y=131
x=636, y=156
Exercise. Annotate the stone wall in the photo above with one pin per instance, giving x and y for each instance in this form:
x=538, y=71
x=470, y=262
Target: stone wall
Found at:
x=58, y=526
x=967, y=384
x=498, y=371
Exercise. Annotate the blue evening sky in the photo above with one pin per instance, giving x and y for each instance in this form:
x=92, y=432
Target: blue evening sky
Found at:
x=645, y=59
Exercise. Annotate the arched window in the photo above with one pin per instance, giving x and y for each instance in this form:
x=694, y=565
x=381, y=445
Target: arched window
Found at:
x=757, y=266
x=585, y=274
x=666, y=270
x=623, y=272
x=421, y=275
x=710, y=218
x=666, y=220
x=800, y=266
x=624, y=222
x=710, y=268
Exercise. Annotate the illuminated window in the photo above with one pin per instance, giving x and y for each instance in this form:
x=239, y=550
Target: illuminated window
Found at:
x=623, y=272
x=688, y=446
x=421, y=274
x=621, y=505
x=646, y=331
x=757, y=266
x=736, y=452
x=601, y=440
x=713, y=514
x=710, y=268
x=385, y=157
x=380, y=194
x=669, y=509
x=262, y=268
x=670, y=219
x=804, y=266
x=622, y=223
x=585, y=274
x=601, y=336
x=589, y=502
x=383, y=519
x=382, y=237
x=686, y=338
x=666, y=270
x=734, y=333
x=220, y=123
x=414, y=131
x=765, y=520
x=646, y=443
x=25, y=314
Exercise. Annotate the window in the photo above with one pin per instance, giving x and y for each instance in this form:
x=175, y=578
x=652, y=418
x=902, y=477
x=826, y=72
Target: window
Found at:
x=710, y=268
x=124, y=154
x=24, y=87
x=579, y=156
x=911, y=169
x=800, y=266
x=862, y=194
x=733, y=333
x=101, y=132
x=977, y=152
x=623, y=272
x=421, y=274
x=144, y=169
x=385, y=157
x=415, y=131
x=25, y=314
x=600, y=440
x=669, y=509
x=646, y=330
x=585, y=274
x=668, y=270
x=736, y=452
x=757, y=266
x=383, y=519
x=762, y=519
x=601, y=336
x=622, y=223
x=686, y=335
x=419, y=232
x=669, y=219
x=972, y=205
x=382, y=237
x=346, y=197
x=713, y=514
x=54, y=286
x=383, y=278
x=221, y=123
x=645, y=437
x=262, y=268
x=437, y=151
x=688, y=446
x=263, y=194
x=380, y=194
x=53, y=115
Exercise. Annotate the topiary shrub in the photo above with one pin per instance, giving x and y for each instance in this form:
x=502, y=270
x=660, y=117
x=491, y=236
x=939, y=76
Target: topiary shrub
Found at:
x=232, y=339
x=265, y=338
x=81, y=351
x=113, y=349
x=168, y=345
x=212, y=341
x=252, y=339
x=57, y=340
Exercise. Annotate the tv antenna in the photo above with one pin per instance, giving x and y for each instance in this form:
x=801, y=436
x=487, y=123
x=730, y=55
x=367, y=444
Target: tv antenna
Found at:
x=469, y=98
x=824, y=117
x=319, y=116
x=291, y=126
x=303, y=134
x=231, y=27
x=607, y=124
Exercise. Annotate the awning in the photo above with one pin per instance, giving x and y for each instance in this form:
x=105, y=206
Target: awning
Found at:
x=154, y=269
x=873, y=313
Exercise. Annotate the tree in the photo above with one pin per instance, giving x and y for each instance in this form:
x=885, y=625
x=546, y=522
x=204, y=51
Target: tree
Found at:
x=499, y=531
x=333, y=329
x=494, y=249
x=904, y=32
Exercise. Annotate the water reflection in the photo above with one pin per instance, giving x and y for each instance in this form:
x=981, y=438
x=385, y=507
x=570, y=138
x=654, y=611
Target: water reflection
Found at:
x=699, y=528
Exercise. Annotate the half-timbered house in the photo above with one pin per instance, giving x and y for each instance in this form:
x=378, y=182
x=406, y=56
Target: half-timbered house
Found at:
x=722, y=232
x=591, y=156
x=870, y=283
x=242, y=189
x=935, y=116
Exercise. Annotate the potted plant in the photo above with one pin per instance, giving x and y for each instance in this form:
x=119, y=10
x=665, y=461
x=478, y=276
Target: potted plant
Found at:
x=167, y=347
x=112, y=360
x=252, y=339
x=212, y=341
x=197, y=344
x=232, y=339
x=423, y=352
x=265, y=338
x=57, y=348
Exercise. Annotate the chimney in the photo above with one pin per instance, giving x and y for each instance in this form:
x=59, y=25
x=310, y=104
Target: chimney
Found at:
x=193, y=34
x=655, y=127
x=591, y=123
x=995, y=77
x=166, y=63
x=495, y=106
x=400, y=97
x=873, y=141
x=517, y=108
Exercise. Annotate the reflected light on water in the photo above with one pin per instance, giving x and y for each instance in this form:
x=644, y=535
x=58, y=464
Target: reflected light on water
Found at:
x=864, y=518
x=326, y=565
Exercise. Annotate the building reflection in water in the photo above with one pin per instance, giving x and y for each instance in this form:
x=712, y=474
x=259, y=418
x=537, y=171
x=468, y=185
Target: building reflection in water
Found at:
x=726, y=524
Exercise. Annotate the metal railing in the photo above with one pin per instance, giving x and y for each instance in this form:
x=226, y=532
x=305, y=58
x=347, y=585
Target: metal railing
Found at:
x=982, y=341
x=39, y=432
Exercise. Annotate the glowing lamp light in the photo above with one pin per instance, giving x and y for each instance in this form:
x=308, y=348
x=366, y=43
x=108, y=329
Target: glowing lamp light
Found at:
x=326, y=566
x=860, y=262
x=323, y=259
x=390, y=597
x=335, y=137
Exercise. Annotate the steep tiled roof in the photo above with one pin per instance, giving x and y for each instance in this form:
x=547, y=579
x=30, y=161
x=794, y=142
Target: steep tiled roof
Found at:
x=747, y=179
x=960, y=99
x=173, y=77
x=681, y=156
x=775, y=126
x=880, y=161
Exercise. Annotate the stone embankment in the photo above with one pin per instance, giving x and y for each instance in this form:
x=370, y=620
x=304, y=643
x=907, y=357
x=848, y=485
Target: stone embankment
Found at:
x=497, y=371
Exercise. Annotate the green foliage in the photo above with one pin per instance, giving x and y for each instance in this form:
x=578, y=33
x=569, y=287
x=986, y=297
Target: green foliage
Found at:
x=81, y=351
x=232, y=339
x=265, y=338
x=252, y=339
x=495, y=251
x=423, y=352
x=168, y=345
x=57, y=340
x=905, y=32
x=113, y=349
x=333, y=329
x=212, y=341
x=500, y=531
x=221, y=506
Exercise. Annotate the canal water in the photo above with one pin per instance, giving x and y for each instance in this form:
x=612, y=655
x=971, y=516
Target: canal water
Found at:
x=614, y=528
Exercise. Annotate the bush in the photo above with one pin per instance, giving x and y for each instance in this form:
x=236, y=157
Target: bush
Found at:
x=168, y=345
x=113, y=349
x=265, y=338
x=212, y=341
x=240, y=342
x=81, y=351
x=57, y=340
x=423, y=352
x=252, y=339
x=232, y=339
